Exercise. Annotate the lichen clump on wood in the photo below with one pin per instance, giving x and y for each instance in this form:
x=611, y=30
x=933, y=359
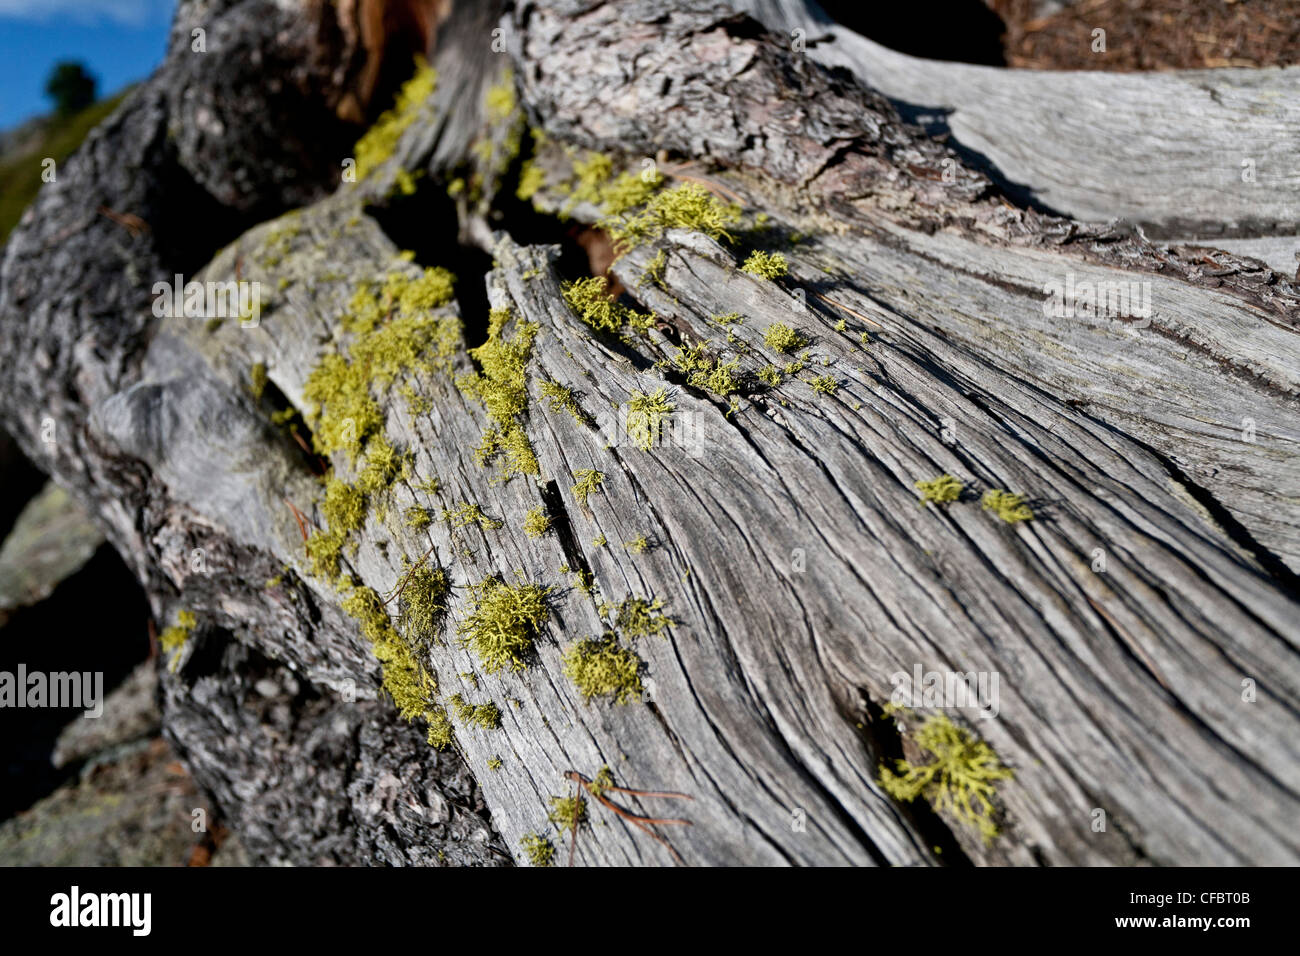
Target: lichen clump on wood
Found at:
x=502, y=388
x=704, y=373
x=646, y=415
x=782, y=338
x=417, y=518
x=939, y=491
x=589, y=300
x=824, y=384
x=394, y=333
x=595, y=183
x=960, y=779
x=379, y=142
x=498, y=151
x=561, y=398
x=567, y=813
x=589, y=480
x=422, y=602
x=537, y=849
x=174, y=638
x=766, y=265
x=407, y=680
x=504, y=622
x=487, y=716
x=466, y=514
x=603, y=669
x=257, y=380
x=637, y=617
x=688, y=206
x=1007, y=506
x=536, y=523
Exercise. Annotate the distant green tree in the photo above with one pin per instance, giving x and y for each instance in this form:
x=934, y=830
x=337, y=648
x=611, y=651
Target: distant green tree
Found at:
x=71, y=87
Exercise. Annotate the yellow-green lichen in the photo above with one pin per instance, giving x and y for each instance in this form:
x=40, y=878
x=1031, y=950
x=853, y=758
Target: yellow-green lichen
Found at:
x=958, y=780
x=423, y=601
x=536, y=522
x=487, y=716
x=1007, y=506
x=466, y=514
x=502, y=388
x=590, y=301
x=441, y=733
x=704, y=373
x=407, y=680
x=588, y=481
x=592, y=173
x=638, y=545
x=173, y=639
x=561, y=398
x=257, y=380
x=824, y=384
x=344, y=506
x=531, y=179
x=504, y=622
x=766, y=265
x=567, y=813
x=770, y=375
x=646, y=415
x=393, y=334
x=537, y=849
x=384, y=464
x=688, y=206
x=417, y=518
x=637, y=617
x=379, y=142
x=781, y=338
x=603, y=669
x=494, y=764
x=940, y=491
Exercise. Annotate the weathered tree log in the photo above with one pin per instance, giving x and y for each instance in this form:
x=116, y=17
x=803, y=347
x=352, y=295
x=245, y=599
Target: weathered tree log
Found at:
x=1194, y=154
x=782, y=534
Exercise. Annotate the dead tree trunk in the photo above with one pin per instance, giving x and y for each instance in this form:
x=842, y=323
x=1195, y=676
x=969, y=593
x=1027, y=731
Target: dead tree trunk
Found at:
x=771, y=567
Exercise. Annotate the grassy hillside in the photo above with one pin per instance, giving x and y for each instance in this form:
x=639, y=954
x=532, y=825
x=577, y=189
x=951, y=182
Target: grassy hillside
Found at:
x=20, y=173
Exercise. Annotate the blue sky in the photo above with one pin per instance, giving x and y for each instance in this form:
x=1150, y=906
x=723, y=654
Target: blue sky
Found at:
x=119, y=41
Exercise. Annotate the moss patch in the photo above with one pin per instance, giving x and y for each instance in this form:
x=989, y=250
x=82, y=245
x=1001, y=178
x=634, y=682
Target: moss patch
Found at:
x=782, y=338
x=959, y=779
x=538, y=849
x=637, y=617
x=504, y=622
x=174, y=638
x=567, y=813
x=379, y=142
x=646, y=415
x=591, y=303
x=588, y=481
x=502, y=388
x=940, y=491
x=536, y=523
x=603, y=669
x=766, y=265
x=1010, y=508
x=688, y=206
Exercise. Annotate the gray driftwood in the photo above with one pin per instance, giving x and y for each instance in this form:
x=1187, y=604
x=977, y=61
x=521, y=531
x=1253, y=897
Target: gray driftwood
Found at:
x=787, y=541
x=1189, y=155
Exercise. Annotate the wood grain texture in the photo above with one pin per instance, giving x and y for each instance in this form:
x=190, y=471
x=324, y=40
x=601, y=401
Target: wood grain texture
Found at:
x=1164, y=150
